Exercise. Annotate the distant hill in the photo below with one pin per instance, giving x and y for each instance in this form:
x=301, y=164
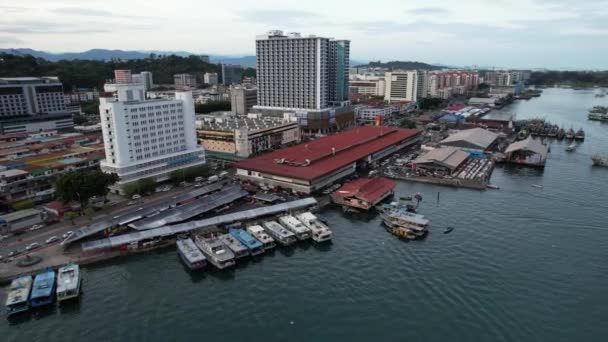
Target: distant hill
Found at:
x=394, y=65
x=107, y=55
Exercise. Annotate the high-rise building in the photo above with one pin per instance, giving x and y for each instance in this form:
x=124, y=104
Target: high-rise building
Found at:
x=123, y=76
x=242, y=99
x=210, y=78
x=305, y=75
x=401, y=86
x=31, y=104
x=231, y=74
x=147, y=138
x=184, y=81
x=146, y=79
x=446, y=83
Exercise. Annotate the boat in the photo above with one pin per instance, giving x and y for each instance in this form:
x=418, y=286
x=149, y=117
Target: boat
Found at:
x=579, y=135
x=68, y=282
x=291, y=223
x=320, y=231
x=261, y=235
x=254, y=246
x=43, y=290
x=600, y=160
x=404, y=223
x=216, y=252
x=448, y=230
x=537, y=186
x=406, y=198
x=492, y=186
x=561, y=134
x=190, y=254
x=279, y=233
x=235, y=246
x=18, y=295
x=571, y=147
x=570, y=134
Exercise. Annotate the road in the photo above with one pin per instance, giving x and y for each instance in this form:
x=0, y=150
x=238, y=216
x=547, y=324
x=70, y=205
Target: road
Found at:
x=19, y=242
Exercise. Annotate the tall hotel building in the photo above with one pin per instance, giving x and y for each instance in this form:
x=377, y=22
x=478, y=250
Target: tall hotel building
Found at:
x=307, y=76
x=147, y=138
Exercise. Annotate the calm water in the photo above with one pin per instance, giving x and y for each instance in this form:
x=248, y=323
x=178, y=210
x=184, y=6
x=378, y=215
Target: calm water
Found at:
x=523, y=264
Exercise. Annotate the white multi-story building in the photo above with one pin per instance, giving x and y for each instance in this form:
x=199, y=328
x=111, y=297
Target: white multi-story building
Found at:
x=401, y=86
x=184, y=81
x=210, y=78
x=446, y=83
x=147, y=138
x=371, y=87
x=146, y=79
x=373, y=114
x=32, y=96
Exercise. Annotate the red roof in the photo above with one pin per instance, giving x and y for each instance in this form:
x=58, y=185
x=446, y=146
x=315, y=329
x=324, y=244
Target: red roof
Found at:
x=455, y=108
x=317, y=158
x=367, y=189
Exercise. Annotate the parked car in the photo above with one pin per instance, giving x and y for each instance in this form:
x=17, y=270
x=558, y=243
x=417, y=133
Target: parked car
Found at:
x=14, y=253
x=198, y=179
x=32, y=246
x=67, y=234
x=36, y=227
x=212, y=179
x=52, y=239
x=3, y=237
x=198, y=185
x=136, y=197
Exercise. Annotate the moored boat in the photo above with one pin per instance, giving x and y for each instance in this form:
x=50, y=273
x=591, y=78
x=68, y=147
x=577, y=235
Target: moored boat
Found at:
x=579, y=135
x=570, y=134
x=571, y=147
x=600, y=160
x=261, y=235
x=68, y=282
x=43, y=290
x=190, y=254
x=254, y=246
x=18, y=295
x=295, y=226
x=320, y=232
x=404, y=223
x=216, y=252
x=279, y=233
x=235, y=246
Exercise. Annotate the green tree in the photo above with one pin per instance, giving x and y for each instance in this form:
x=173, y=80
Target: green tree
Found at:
x=89, y=212
x=80, y=186
x=70, y=215
x=90, y=107
x=407, y=123
x=189, y=174
x=79, y=119
x=21, y=205
x=142, y=186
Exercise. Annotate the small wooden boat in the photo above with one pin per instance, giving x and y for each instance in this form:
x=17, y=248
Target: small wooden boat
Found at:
x=571, y=147
x=492, y=186
x=405, y=198
x=537, y=186
x=448, y=230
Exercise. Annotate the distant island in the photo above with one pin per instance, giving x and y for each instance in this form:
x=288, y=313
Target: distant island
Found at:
x=408, y=65
x=582, y=79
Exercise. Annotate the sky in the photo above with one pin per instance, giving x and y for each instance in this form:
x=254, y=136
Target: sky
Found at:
x=557, y=34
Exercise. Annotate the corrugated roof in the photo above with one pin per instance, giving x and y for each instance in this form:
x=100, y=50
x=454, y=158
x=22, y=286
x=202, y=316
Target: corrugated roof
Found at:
x=367, y=189
x=317, y=158
x=529, y=144
x=447, y=156
x=476, y=136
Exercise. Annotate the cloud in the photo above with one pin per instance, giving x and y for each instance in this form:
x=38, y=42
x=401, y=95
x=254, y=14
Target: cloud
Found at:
x=281, y=17
x=10, y=41
x=79, y=11
x=428, y=11
x=41, y=27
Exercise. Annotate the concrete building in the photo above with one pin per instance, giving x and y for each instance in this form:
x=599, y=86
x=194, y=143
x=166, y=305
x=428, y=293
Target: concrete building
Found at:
x=304, y=75
x=184, y=81
x=447, y=83
x=146, y=79
x=147, y=138
x=205, y=58
x=123, y=76
x=231, y=74
x=242, y=99
x=444, y=159
x=311, y=166
x=210, y=78
x=477, y=139
x=401, y=86
x=373, y=114
x=505, y=77
x=237, y=137
x=367, y=87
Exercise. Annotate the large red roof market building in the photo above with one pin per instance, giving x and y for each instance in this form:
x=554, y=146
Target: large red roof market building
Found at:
x=310, y=166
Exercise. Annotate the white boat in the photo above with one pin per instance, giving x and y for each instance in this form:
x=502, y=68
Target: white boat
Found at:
x=295, y=226
x=599, y=160
x=216, y=252
x=279, y=233
x=571, y=147
x=19, y=292
x=68, y=282
x=190, y=255
x=320, y=232
x=235, y=246
x=259, y=233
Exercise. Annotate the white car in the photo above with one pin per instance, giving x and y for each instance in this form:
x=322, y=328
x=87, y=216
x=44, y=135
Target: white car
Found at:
x=51, y=239
x=32, y=246
x=3, y=237
x=67, y=234
x=36, y=227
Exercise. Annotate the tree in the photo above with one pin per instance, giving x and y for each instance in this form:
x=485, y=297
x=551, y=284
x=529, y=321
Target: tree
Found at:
x=142, y=186
x=22, y=205
x=483, y=86
x=89, y=212
x=189, y=174
x=70, y=215
x=430, y=103
x=82, y=185
x=79, y=119
x=90, y=107
x=407, y=123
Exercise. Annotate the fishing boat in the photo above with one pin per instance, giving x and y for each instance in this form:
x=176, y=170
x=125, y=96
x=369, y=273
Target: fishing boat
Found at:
x=406, y=198
x=43, y=290
x=68, y=282
x=291, y=223
x=261, y=235
x=448, y=230
x=571, y=147
x=561, y=134
x=190, y=254
x=492, y=186
x=235, y=246
x=18, y=294
x=320, y=231
x=600, y=160
x=254, y=246
x=216, y=252
x=579, y=135
x=537, y=186
x=279, y=233
x=570, y=134
x=403, y=223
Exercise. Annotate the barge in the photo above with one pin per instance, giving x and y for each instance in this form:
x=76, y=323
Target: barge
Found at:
x=216, y=252
x=18, y=295
x=320, y=232
x=292, y=224
x=279, y=233
x=190, y=254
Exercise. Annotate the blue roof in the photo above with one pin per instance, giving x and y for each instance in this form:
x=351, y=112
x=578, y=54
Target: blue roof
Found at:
x=246, y=238
x=70, y=160
x=43, y=284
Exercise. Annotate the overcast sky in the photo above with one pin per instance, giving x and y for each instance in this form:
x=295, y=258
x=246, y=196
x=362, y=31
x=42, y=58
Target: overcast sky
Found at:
x=504, y=33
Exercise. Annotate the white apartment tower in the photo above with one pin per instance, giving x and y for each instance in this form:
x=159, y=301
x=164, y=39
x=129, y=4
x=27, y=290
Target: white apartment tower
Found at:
x=401, y=86
x=147, y=138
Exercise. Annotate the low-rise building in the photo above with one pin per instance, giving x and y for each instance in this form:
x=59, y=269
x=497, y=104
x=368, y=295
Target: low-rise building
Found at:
x=211, y=78
x=444, y=159
x=20, y=220
x=477, y=139
x=233, y=138
x=242, y=99
x=530, y=152
x=373, y=114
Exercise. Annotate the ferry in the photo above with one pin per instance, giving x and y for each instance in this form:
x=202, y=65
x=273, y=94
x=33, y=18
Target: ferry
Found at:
x=43, y=291
x=68, y=282
x=279, y=233
x=19, y=292
x=190, y=255
x=235, y=246
x=259, y=233
x=320, y=232
x=292, y=224
x=404, y=223
x=579, y=135
x=216, y=252
x=255, y=247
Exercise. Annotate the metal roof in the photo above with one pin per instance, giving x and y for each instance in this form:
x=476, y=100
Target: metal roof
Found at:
x=529, y=144
x=476, y=136
x=116, y=241
x=448, y=156
x=367, y=189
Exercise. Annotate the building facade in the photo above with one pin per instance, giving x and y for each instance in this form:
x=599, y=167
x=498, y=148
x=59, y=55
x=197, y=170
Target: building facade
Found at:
x=147, y=138
x=242, y=99
x=401, y=86
x=210, y=78
x=184, y=81
x=123, y=76
x=367, y=87
x=373, y=114
x=146, y=80
x=231, y=74
x=31, y=96
x=447, y=83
